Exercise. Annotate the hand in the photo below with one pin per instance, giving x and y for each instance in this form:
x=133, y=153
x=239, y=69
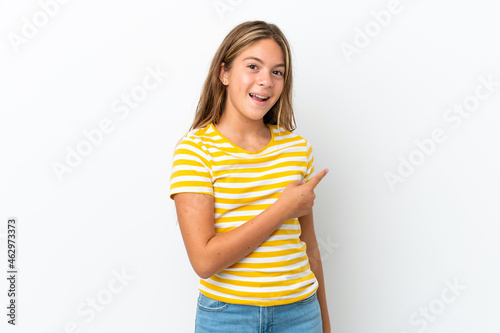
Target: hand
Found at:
x=297, y=199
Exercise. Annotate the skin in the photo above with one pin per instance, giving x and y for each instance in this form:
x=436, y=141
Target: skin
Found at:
x=243, y=124
x=308, y=236
x=258, y=69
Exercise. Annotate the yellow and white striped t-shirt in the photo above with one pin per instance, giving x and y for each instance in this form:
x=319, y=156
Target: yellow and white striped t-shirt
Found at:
x=244, y=184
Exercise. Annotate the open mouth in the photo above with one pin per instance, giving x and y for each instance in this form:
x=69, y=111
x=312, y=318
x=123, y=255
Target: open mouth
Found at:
x=259, y=97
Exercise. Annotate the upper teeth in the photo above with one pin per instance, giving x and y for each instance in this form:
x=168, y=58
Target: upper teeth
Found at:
x=258, y=96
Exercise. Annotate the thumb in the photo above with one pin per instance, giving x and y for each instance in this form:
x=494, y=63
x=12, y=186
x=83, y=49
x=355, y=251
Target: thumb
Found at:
x=314, y=181
x=297, y=183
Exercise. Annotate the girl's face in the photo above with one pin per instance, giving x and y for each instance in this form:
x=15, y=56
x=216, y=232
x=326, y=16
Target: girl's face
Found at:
x=256, y=79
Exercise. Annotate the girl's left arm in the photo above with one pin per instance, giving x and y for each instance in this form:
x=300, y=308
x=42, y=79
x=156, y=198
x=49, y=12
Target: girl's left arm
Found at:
x=308, y=236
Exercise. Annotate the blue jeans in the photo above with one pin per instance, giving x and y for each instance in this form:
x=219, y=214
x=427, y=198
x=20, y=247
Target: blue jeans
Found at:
x=214, y=316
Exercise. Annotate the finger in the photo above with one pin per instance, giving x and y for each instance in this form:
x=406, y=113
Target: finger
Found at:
x=314, y=181
x=297, y=183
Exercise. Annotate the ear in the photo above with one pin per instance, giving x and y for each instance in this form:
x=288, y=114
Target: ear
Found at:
x=223, y=74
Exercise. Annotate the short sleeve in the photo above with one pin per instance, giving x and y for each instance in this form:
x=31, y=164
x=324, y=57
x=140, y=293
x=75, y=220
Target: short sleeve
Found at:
x=310, y=163
x=191, y=171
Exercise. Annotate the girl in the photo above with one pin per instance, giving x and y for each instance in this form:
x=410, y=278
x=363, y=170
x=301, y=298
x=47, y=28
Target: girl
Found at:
x=243, y=188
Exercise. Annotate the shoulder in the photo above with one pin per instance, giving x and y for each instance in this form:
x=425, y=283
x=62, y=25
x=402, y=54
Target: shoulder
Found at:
x=289, y=136
x=196, y=137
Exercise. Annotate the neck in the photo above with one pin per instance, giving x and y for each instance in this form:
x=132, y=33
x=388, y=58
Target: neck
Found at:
x=242, y=127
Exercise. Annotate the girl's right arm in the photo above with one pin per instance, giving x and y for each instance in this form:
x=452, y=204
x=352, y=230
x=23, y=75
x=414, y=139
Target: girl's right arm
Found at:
x=210, y=253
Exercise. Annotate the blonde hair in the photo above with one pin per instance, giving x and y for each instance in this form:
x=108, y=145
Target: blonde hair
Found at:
x=213, y=96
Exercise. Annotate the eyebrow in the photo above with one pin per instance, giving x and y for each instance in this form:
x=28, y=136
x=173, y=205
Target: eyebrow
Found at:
x=257, y=59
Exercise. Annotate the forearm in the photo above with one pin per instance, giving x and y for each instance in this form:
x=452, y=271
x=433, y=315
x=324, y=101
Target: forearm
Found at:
x=223, y=250
x=309, y=237
x=317, y=269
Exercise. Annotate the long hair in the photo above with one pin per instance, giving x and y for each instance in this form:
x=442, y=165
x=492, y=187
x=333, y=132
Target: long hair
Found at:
x=213, y=96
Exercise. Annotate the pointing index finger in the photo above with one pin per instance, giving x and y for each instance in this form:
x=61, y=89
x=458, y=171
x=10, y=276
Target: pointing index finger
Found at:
x=314, y=181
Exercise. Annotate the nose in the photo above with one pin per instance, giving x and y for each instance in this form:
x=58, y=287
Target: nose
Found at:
x=265, y=79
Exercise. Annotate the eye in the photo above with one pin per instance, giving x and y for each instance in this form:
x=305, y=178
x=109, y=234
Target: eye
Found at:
x=279, y=73
x=252, y=66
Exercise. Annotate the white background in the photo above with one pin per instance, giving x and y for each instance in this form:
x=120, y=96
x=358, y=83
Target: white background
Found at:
x=387, y=251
